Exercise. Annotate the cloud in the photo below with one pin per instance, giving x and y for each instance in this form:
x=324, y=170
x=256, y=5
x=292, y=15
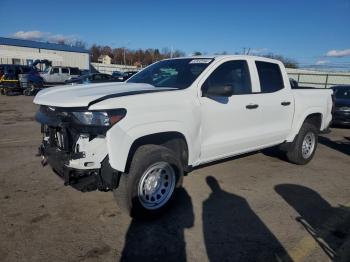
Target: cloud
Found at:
x=338, y=53
x=321, y=62
x=45, y=36
x=29, y=35
x=68, y=39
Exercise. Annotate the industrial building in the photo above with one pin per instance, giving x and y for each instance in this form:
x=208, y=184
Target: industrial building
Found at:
x=24, y=52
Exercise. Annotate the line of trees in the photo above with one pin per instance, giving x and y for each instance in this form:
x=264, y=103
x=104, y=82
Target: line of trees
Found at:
x=143, y=57
x=139, y=57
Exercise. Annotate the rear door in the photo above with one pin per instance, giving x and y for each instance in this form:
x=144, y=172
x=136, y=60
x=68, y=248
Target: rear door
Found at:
x=64, y=74
x=275, y=101
x=229, y=124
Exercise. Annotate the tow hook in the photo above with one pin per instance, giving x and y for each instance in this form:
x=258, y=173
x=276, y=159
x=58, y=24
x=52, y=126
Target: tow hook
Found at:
x=43, y=161
x=41, y=153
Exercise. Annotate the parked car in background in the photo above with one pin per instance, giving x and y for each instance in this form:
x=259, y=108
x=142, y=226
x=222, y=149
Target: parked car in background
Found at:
x=341, y=112
x=92, y=78
x=138, y=138
x=85, y=72
x=128, y=74
x=59, y=74
x=17, y=78
x=123, y=76
x=117, y=74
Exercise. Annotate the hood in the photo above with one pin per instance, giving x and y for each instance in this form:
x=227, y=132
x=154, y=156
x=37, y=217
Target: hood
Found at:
x=341, y=102
x=84, y=95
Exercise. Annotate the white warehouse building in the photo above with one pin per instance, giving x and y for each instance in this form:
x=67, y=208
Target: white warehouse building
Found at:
x=24, y=52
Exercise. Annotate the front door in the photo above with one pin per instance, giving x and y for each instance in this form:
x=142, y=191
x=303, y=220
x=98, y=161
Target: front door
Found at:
x=229, y=123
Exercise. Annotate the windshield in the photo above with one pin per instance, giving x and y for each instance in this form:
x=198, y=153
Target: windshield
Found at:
x=177, y=73
x=342, y=93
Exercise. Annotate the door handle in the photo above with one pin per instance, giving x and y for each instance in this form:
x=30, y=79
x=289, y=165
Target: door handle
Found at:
x=252, y=106
x=285, y=103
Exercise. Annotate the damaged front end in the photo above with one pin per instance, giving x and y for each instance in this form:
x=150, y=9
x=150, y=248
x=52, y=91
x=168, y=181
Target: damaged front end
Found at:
x=74, y=145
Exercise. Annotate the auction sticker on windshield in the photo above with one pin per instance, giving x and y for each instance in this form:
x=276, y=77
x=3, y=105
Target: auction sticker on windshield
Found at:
x=200, y=61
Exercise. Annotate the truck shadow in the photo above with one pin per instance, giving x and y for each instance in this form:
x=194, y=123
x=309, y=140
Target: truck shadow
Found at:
x=275, y=152
x=233, y=232
x=341, y=146
x=328, y=225
x=161, y=239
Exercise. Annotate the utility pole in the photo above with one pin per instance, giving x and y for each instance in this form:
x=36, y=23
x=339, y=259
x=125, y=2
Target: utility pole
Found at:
x=246, y=51
x=124, y=56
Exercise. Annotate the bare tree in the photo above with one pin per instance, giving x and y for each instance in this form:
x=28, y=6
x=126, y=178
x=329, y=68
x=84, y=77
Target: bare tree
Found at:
x=79, y=43
x=288, y=62
x=197, y=53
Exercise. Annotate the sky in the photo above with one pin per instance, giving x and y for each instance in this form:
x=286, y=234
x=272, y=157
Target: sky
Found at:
x=311, y=32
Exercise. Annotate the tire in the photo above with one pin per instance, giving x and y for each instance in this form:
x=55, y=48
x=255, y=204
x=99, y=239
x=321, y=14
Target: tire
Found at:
x=27, y=92
x=307, y=137
x=148, y=188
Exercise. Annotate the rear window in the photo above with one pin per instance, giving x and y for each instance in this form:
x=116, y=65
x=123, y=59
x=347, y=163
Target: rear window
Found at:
x=270, y=77
x=65, y=70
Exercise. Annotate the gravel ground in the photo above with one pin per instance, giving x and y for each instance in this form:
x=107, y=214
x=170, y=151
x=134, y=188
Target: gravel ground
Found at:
x=252, y=208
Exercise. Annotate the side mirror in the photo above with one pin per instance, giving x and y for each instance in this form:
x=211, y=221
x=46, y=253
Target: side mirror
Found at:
x=226, y=91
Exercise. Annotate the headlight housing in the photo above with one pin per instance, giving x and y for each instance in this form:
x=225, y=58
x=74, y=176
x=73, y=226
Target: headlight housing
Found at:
x=105, y=118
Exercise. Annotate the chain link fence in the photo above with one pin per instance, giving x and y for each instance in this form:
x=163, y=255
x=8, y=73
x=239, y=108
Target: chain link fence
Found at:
x=320, y=80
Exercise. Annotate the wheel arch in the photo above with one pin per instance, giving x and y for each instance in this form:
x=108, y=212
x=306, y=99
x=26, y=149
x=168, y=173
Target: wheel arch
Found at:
x=314, y=117
x=173, y=140
x=122, y=145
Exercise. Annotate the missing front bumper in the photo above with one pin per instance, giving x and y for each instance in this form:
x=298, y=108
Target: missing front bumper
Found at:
x=104, y=179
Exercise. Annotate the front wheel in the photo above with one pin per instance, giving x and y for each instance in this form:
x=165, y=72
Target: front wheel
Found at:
x=27, y=92
x=304, y=145
x=149, y=186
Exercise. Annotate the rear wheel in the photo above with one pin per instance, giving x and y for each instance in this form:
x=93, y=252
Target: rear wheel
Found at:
x=304, y=145
x=149, y=186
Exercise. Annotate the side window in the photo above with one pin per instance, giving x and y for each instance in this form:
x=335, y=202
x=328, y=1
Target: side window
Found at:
x=74, y=71
x=65, y=70
x=231, y=73
x=97, y=77
x=270, y=77
x=55, y=70
x=106, y=77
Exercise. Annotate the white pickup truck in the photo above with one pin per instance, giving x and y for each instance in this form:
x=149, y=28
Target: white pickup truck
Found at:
x=59, y=74
x=138, y=138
